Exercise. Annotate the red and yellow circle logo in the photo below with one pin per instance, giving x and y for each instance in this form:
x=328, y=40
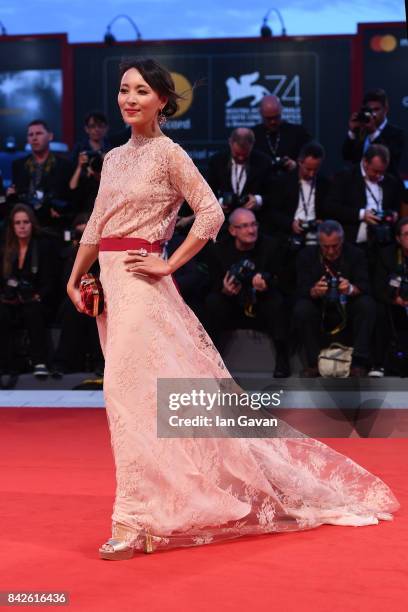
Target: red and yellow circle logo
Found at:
x=184, y=88
x=385, y=43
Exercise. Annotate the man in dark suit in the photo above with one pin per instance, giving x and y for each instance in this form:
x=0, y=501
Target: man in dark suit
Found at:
x=299, y=196
x=333, y=293
x=370, y=126
x=240, y=176
x=41, y=179
x=280, y=140
x=296, y=206
x=391, y=292
x=359, y=197
x=247, y=296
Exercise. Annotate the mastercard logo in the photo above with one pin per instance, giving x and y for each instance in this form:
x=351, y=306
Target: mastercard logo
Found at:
x=183, y=88
x=385, y=43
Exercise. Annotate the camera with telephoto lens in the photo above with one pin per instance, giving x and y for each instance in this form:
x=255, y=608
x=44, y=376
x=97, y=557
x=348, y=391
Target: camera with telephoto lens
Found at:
x=232, y=200
x=382, y=232
x=365, y=114
x=333, y=282
x=398, y=285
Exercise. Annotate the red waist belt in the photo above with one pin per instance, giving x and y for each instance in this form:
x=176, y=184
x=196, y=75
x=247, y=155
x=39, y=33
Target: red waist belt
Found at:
x=130, y=244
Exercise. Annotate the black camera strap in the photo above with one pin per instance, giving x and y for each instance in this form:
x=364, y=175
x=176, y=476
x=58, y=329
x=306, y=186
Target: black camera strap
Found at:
x=273, y=147
x=378, y=203
x=340, y=307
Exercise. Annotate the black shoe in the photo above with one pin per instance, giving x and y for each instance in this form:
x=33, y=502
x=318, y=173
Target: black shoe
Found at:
x=8, y=380
x=57, y=373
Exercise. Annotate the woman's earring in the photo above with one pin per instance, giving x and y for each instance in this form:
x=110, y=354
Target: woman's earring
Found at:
x=161, y=118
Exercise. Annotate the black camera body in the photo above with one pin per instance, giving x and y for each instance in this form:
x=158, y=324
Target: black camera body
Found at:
x=309, y=226
x=232, y=200
x=382, y=232
x=47, y=201
x=333, y=282
x=95, y=159
x=365, y=114
x=17, y=291
x=398, y=285
x=298, y=241
x=243, y=272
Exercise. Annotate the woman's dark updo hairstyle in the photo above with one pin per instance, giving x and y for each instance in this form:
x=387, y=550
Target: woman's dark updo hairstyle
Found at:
x=157, y=77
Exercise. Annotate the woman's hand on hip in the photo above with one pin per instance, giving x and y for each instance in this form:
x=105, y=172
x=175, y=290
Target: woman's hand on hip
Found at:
x=139, y=263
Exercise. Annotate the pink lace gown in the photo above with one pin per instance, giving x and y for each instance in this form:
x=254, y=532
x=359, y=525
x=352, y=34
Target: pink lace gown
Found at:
x=194, y=491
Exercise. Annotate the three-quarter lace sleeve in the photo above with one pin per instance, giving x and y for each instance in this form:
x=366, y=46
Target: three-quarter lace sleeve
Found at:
x=190, y=184
x=94, y=227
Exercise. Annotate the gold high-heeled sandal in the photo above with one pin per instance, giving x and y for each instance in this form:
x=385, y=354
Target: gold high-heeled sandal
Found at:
x=148, y=543
x=118, y=550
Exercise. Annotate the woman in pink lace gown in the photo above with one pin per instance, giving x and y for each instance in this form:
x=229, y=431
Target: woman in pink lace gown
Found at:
x=183, y=492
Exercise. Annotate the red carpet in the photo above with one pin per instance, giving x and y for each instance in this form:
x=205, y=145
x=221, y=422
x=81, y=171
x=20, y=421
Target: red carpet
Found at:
x=57, y=488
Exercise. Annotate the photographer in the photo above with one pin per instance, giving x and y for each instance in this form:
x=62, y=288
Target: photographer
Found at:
x=240, y=177
x=370, y=126
x=333, y=292
x=41, y=179
x=96, y=141
x=243, y=272
x=299, y=199
x=367, y=201
x=391, y=291
x=78, y=346
x=279, y=140
x=27, y=286
x=85, y=181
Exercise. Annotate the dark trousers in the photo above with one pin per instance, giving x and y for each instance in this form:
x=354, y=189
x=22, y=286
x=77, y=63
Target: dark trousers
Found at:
x=391, y=324
x=223, y=312
x=32, y=317
x=361, y=315
x=79, y=336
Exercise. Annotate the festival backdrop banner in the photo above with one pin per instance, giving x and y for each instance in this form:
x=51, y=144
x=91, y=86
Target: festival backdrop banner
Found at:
x=223, y=82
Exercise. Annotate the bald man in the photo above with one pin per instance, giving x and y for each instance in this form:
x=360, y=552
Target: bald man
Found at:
x=255, y=301
x=280, y=140
x=240, y=176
